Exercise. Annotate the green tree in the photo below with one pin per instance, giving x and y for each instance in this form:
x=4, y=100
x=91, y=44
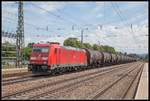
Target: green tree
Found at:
x=78, y=44
x=8, y=50
x=95, y=47
x=101, y=48
x=87, y=45
x=27, y=52
x=75, y=43
x=108, y=49
x=72, y=42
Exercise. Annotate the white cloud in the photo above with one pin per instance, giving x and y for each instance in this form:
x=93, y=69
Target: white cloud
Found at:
x=99, y=15
x=7, y=2
x=131, y=5
x=122, y=39
x=97, y=8
x=49, y=6
x=137, y=4
x=137, y=18
x=100, y=3
x=59, y=39
x=77, y=3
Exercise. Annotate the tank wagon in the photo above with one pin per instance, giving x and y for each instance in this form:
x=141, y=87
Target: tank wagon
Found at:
x=113, y=58
x=94, y=58
x=52, y=57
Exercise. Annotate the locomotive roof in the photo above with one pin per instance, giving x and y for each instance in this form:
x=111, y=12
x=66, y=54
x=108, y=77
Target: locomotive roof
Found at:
x=66, y=47
x=38, y=44
x=72, y=48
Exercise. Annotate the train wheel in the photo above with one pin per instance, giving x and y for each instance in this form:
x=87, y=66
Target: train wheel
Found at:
x=53, y=72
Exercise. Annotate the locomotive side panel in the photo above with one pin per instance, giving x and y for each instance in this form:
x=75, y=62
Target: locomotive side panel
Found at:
x=72, y=57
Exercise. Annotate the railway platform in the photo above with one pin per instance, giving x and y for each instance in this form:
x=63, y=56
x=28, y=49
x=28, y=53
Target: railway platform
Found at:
x=142, y=90
x=14, y=72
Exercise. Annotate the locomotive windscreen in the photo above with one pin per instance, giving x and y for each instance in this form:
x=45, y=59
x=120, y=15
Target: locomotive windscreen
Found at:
x=38, y=49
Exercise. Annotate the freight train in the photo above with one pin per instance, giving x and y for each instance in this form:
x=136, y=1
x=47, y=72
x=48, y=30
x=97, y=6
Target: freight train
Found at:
x=51, y=57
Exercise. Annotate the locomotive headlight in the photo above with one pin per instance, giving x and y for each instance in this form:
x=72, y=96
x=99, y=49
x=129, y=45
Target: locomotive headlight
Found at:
x=33, y=58
x=44, y=58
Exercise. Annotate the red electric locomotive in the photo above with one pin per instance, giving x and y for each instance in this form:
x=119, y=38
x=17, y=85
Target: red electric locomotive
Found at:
x=52, y=56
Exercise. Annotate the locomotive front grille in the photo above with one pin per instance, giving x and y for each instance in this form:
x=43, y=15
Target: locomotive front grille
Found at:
x=38, y=68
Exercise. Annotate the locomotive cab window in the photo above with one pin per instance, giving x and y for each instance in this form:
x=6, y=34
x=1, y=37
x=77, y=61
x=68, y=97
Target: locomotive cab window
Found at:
x=40, y=49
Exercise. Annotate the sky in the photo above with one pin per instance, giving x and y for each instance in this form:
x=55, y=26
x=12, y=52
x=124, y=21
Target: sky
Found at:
x=122, y=25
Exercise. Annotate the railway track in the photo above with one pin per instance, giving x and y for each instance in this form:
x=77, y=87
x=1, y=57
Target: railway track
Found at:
x=102, y=91
x=21, y=86
x=79, y=79
x=69, y=88
x=132, y=87
x=16, y=80
x=29, y=77
x=21, y=79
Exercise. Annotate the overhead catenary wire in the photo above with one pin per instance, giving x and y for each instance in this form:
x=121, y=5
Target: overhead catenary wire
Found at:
x=35, y=26
x=118, y=13
x=66, y=20
x=132, y=31
x=58, y=16
x=39, y=28
x=32, y=25
x=131, y=25
x=122, y=18
x=73, y=19
x=49, y=12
